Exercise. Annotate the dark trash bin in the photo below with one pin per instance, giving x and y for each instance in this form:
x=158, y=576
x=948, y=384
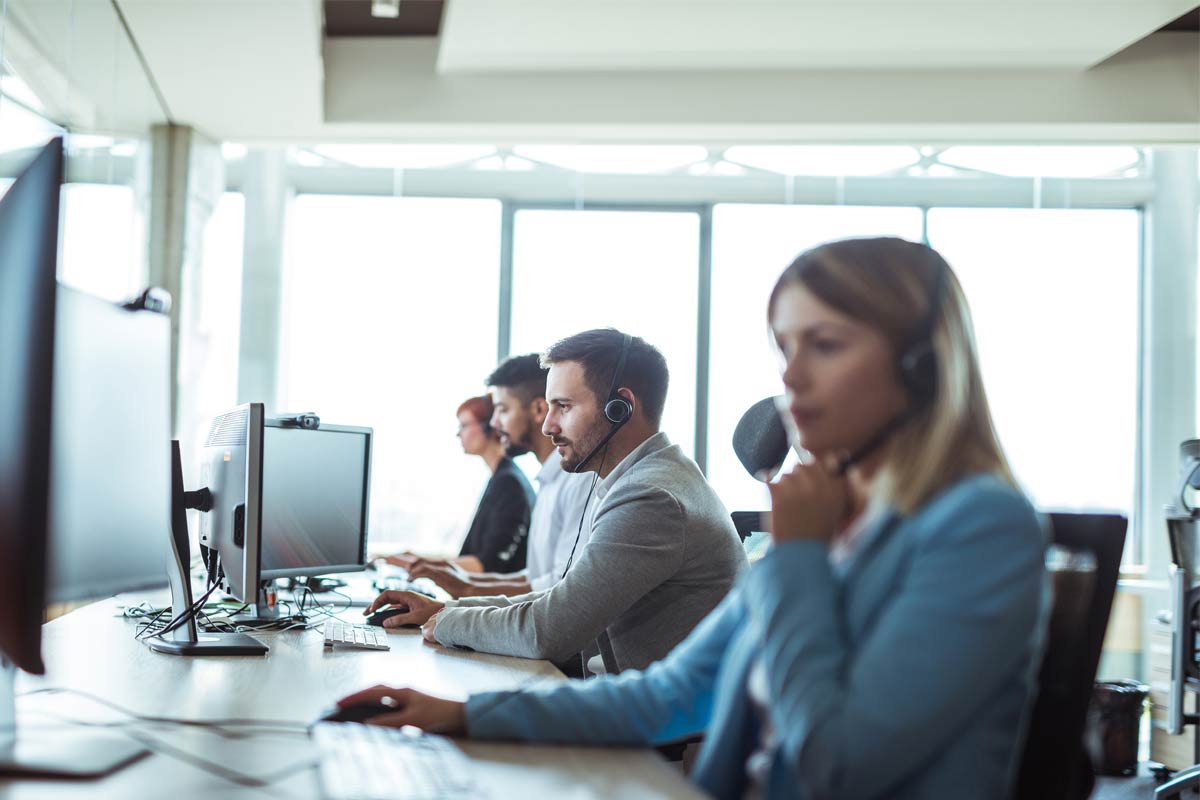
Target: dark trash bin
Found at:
x=1114, y=726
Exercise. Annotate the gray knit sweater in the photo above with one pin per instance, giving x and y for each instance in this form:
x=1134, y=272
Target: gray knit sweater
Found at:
x=662, y=554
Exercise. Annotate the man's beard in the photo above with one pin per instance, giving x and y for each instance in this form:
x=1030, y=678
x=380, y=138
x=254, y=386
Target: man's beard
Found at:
x=517, y=446
x=579, y=448
x=512, y=449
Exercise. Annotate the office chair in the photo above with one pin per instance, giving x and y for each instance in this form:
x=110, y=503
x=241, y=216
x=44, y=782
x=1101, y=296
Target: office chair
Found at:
x=1054, y=763
x=747, y=522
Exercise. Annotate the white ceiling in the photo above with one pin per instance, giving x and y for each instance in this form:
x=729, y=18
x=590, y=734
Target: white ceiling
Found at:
x=258, y=70
x=541, y=35
x=226, y=65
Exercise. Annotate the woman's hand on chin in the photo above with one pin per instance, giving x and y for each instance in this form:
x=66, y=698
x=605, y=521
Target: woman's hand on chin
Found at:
x=810, y=502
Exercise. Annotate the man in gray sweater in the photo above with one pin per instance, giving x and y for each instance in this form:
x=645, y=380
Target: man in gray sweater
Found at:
x=662, y=551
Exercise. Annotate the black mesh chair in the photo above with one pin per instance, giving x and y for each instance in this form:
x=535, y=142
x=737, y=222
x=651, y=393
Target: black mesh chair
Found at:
x=1084, y=565
x=748, y=523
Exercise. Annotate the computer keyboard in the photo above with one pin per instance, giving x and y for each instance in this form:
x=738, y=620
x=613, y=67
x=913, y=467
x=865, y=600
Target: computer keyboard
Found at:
x=343, y=634
x=369, y=762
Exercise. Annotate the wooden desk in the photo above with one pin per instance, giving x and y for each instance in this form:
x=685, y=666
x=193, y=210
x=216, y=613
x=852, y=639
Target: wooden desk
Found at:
x=93, y=649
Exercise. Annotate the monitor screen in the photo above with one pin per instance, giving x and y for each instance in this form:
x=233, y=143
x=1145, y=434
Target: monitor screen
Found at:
x=315, y=485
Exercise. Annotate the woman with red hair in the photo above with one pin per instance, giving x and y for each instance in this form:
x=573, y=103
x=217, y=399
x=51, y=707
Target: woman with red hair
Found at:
x=496, y=540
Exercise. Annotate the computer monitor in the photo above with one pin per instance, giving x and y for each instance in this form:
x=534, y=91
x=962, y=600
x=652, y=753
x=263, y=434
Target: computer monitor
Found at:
x=45, y=479
x=287, y=502
x=183, y=637
x=316, y=487
x=28, y=263
x=231, y=469
x=110, y=469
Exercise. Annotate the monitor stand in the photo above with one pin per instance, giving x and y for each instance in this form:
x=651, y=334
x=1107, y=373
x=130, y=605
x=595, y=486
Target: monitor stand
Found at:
x=187, y=639
x=264, y=611
x=56, y=751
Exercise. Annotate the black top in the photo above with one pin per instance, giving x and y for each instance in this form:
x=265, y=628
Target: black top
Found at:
x=499, y=533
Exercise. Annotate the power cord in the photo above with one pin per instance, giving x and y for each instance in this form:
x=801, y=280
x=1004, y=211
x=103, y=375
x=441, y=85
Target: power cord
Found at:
x=218, y=726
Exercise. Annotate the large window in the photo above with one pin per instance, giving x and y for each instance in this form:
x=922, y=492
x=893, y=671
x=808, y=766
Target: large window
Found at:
x=752, y=244
x=636, y=271
x=103, y=240
x=1054, y=295
x=211, y=324
x=390, y=320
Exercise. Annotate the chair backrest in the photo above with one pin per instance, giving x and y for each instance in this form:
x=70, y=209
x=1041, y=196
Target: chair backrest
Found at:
x=1083, y=565
x=747, y=522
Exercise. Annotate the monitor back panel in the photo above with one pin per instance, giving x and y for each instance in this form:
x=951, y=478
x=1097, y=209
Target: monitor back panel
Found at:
x=110, y=489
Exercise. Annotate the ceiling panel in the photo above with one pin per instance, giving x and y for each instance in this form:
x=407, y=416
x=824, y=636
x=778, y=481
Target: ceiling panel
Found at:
x=631, y=35
x=226, y=65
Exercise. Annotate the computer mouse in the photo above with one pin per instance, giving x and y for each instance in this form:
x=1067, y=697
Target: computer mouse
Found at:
x=359, y=713
x=379, y=616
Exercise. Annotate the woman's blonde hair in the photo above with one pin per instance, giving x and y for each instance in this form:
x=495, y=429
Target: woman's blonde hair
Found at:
x=908, y=292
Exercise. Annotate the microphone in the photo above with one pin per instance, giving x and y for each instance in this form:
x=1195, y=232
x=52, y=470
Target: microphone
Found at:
x=760, y=440
x=592, y=453
x=873, y=444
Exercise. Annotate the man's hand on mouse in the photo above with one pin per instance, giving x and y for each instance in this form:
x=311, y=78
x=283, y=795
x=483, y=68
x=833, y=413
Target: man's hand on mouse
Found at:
x=417, y=608
x=412, y=708
x=449, y=578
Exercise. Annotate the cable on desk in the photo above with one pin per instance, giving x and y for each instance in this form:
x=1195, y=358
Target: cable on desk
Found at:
x=255, y=731
x=205, y=723
x=181, y=618
x=218, y=726
x=220, y=770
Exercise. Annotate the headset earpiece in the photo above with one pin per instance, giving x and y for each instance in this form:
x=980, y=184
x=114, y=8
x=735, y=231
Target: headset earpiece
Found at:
x=919, y=371
x=918, y=365
x=618, y=410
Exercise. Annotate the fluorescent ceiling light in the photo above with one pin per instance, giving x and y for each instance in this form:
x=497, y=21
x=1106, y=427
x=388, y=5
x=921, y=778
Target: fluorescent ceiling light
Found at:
x=830, y=161
x=1050, y=161
x=615, y=159
x=403, y=156
x=385, y=8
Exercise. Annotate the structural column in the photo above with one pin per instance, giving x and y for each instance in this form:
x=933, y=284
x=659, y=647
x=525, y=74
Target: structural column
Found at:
x=186, y=179
x=266, y=191
x=1169, y=367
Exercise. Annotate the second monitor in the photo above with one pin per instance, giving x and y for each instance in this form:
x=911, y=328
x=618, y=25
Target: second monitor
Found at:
x=287, y=501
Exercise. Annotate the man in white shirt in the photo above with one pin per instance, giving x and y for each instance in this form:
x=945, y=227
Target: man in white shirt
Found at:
x=557, y=531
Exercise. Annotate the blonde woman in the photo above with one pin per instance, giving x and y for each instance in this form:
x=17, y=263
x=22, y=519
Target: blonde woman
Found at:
x=885, y=647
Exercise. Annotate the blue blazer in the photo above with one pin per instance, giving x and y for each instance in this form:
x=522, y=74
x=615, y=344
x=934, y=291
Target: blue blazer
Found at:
x=904, y=672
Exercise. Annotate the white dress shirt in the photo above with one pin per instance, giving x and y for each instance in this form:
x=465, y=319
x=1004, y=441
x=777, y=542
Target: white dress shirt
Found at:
x=555, y=522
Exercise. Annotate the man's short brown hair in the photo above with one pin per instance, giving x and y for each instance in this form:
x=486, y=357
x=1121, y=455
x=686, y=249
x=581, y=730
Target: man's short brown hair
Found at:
x=597, y=351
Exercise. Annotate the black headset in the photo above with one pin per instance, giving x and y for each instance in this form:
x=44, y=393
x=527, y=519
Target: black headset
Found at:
x=918, y=363
x=917, y=368
x=617, y=410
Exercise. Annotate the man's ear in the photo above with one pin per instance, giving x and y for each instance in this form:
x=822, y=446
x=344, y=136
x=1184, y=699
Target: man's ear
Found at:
x=538, y=409
x=631, y=397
